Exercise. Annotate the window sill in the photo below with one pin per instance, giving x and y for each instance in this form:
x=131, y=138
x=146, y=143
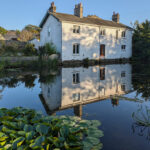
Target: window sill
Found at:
x=76, y=55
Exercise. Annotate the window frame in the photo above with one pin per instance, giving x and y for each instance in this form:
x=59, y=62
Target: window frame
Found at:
x=103, y=32
x=123, y=34
x=76, y=78
x=76, y=29
x=123, y=47
x=76, y=97
x=76, y=49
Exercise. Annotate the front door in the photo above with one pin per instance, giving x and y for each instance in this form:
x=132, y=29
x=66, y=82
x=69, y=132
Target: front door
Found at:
x=102, y=50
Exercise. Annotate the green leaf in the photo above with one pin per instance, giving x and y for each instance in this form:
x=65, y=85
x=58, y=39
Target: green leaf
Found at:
x=23, y=133
x=38, y=142
x=2, y=134
x=28, y=128
x=42, y=129
x=30, y=135
x=17, y=142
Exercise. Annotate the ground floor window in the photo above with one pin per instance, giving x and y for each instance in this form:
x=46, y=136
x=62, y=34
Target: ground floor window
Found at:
x=123, y=74
x=123, y=87
x=102, y=73
x=76, y=96
x=102, y=50
x=76, y=48
x=76, y=78
x=123, y=47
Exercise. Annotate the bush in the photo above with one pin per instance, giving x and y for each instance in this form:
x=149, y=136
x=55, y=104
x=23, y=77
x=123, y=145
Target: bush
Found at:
x=48, y=49
x=25, y=129
x=30, y=50
x=85, y=61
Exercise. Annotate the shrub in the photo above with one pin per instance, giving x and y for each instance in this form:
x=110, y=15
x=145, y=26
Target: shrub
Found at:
x=30, y=50
x=25, y=129
x=85, y=61
x=50, y=48
x=47, y=49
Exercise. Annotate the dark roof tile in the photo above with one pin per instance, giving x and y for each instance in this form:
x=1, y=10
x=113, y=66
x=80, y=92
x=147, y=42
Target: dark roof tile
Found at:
x=86, y=20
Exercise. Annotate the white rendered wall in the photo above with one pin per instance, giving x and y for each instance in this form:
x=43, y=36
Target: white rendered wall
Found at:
x=90, y=41
x=55, y=28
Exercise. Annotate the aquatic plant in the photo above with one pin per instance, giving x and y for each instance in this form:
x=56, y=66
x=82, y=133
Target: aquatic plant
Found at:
x=24, y=129
x=142, y=121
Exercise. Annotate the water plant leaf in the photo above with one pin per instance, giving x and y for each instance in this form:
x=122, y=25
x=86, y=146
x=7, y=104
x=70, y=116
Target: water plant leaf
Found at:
x=38, y=142
x=17, y=142
x=42, y=129
x=30, y=135
x=28, y=128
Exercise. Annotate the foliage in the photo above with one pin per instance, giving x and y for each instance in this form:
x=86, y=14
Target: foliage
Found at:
x=3, y=31
x=85, y=62
x=25, y=36
x=25, y=129
x=141, y=41
x=29, y=50
x=32, y=28
x=141, y=80
x=48, y=49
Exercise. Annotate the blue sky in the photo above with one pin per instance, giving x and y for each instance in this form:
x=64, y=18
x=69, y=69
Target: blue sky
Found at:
x=15, y=14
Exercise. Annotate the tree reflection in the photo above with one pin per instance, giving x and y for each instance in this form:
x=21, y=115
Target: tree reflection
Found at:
x=141, y=80
x=141, y=123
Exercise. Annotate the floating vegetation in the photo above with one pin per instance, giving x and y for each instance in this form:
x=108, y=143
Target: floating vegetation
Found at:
x=25, y=129
x=142, y=121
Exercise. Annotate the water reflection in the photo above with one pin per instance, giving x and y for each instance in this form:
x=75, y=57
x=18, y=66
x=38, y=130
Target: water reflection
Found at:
x=79, y=86
x=141, y=124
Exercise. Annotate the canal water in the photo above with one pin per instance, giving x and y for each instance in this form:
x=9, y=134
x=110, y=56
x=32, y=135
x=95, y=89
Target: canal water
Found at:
x=108, y=93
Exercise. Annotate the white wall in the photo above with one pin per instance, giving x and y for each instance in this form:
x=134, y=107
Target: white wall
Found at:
x=90, y=41
x=90, y=86
x=55, y=34
x=35, y=42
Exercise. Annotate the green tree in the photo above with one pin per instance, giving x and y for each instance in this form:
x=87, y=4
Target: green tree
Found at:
x=141, y=40
x=3, y=31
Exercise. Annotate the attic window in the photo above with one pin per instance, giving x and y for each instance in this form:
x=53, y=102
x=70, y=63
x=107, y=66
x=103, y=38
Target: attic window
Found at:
x=103, y=32
x=76, y=29
x=49, y=32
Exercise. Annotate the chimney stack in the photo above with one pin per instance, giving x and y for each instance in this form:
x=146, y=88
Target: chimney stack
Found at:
x=116, y=17
x=52, y=8
x=78, y=11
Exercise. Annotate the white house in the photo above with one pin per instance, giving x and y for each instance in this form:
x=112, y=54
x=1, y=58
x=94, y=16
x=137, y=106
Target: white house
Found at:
x=80, y=86
x=35, y=42
x=77, y=37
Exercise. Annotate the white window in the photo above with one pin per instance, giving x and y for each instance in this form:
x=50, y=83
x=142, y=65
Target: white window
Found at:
x=123, y=74
x=123, y=47
x=123, y=34
x=76, y=96
x=76, y=29
x=49, y=32
x=103, y=32
x=123, y=87
x=76, y=48
x=76, y=78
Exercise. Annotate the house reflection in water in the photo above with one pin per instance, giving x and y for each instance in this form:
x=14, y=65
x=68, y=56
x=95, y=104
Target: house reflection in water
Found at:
x=79, y=86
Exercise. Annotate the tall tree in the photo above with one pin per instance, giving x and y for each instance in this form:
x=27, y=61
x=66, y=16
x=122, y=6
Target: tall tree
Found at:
x=141, y=41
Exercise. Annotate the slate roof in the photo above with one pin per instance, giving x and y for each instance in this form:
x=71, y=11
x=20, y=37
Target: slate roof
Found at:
x=86, y=20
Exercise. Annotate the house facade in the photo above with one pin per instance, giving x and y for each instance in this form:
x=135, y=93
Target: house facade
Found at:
x=79, y=86
x=77, y=37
